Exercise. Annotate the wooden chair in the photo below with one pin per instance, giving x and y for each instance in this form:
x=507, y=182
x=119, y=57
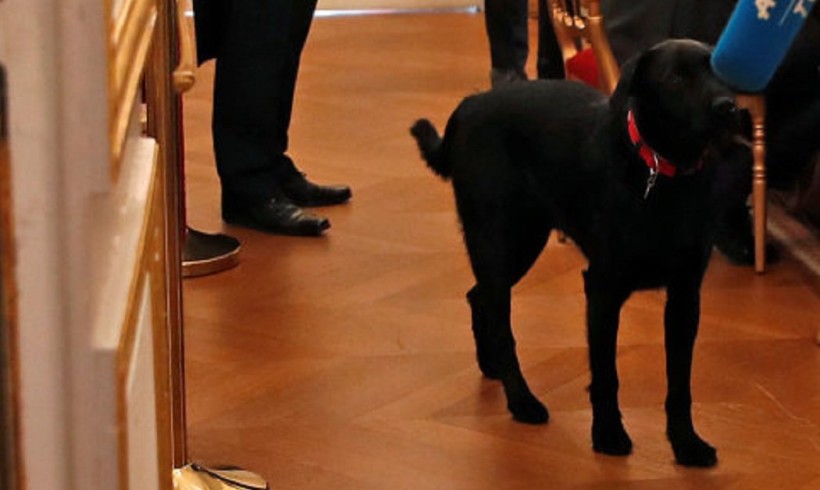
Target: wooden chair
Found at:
x=579, y=28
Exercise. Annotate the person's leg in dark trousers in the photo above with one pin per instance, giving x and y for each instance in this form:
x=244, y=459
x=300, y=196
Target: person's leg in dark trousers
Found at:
x=507, y=31
x=256, y=70
x=253, y=92
x=550, y=63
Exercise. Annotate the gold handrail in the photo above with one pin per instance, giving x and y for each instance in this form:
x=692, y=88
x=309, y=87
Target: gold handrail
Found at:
x=184, y=74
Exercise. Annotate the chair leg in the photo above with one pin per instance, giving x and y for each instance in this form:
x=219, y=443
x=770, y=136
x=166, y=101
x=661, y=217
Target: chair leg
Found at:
x=759, y=181
x=756, y=105
x=759, y=210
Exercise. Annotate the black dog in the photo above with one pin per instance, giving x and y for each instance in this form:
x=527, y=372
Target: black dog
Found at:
x=630, y=179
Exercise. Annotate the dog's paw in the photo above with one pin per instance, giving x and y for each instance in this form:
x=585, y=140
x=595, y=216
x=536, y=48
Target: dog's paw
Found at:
x=529, y=410
x=691, y=450
x=611, y=438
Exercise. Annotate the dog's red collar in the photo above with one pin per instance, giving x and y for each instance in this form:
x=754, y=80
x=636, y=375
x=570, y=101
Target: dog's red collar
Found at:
x=655, y=162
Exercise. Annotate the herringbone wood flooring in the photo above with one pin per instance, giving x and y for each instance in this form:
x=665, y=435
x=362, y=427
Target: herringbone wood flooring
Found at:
x=346, y=362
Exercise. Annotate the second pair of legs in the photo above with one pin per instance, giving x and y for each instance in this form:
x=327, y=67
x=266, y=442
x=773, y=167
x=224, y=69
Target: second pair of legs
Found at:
x=283, y=211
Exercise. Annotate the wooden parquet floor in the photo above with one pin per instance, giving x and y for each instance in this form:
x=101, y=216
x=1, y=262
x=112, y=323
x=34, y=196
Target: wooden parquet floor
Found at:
x=346, y=362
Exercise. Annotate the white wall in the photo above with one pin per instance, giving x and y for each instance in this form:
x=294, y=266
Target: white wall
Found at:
x=55, y=55
x=27, y=47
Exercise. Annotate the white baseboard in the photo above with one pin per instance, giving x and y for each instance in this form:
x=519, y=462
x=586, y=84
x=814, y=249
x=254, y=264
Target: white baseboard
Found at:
x=801, y=240
x=396, y=4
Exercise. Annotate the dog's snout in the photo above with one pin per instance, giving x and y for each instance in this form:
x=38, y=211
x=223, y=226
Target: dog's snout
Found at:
x=724, y=106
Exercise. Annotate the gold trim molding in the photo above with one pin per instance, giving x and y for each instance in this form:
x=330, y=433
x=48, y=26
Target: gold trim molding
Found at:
x=130, y=29
x=149, y=267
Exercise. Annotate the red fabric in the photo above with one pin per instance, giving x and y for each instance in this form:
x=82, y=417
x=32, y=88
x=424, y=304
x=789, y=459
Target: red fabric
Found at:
x=583, y=67
x=652, y=159
x=647, y=154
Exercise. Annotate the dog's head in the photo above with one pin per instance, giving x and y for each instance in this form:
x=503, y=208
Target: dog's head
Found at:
x=680, y=106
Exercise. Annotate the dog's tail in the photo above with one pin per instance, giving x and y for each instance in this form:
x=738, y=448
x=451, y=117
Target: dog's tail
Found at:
x=430, y=144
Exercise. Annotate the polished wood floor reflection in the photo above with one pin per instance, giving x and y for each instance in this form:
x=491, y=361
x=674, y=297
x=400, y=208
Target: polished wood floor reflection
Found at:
x=346, y=362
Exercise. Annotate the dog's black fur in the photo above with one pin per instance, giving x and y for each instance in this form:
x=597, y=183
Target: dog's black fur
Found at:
x=555, y=155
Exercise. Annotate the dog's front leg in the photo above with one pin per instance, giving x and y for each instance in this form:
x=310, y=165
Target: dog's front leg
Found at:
x=604, y=302
x=681, y=326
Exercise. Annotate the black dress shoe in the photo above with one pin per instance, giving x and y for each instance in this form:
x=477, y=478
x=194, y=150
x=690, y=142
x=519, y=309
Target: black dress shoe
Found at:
x=736, y=241
x=742, y=252
x=276, y=215
x=303, y=192
x=501, y=76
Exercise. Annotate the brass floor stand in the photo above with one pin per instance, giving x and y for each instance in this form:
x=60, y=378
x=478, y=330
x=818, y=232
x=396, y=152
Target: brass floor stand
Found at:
x=205, y=253
x=195, y=477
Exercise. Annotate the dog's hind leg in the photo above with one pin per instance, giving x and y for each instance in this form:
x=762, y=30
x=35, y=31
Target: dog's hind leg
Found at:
x=483, y=344
x=529, y=247
x=681, y=325
x=604, y=301
x=500, y=258
x=495, y=346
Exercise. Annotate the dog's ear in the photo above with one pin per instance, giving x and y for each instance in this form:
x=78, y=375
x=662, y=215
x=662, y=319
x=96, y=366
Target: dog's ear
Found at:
x=624, y=88
x=632, y=79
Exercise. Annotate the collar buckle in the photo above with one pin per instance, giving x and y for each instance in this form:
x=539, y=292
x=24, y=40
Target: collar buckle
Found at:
x=645, y=152
x=653, y=176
